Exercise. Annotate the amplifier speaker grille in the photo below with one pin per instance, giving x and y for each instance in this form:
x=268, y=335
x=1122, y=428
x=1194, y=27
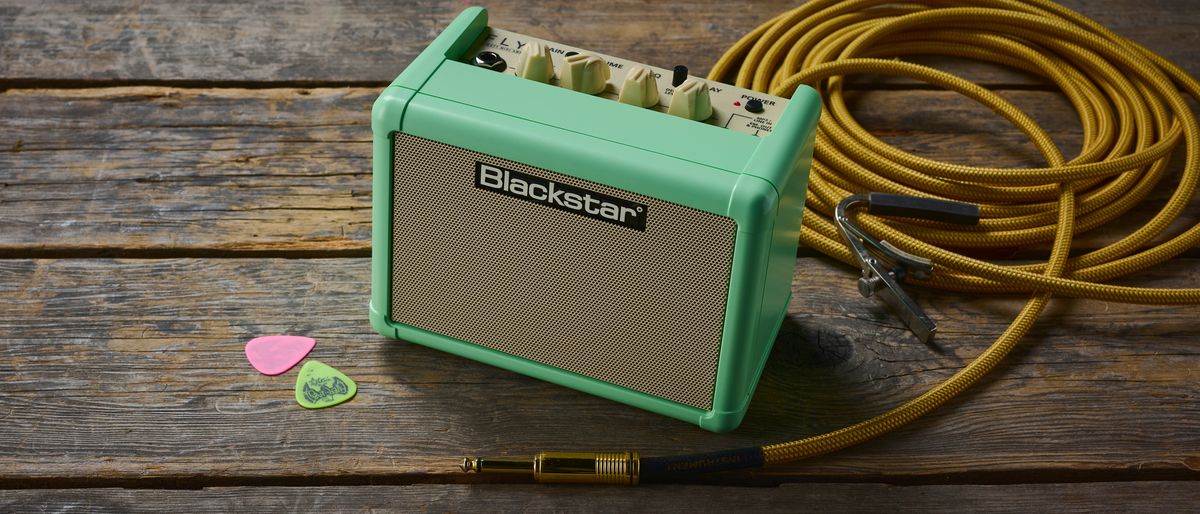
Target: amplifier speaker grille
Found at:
x=643, y=310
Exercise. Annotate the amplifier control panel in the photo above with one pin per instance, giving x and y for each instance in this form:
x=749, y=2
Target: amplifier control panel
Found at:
x=671, y=92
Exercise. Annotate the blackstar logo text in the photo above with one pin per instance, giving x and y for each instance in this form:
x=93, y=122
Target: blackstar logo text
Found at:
x=560, y=196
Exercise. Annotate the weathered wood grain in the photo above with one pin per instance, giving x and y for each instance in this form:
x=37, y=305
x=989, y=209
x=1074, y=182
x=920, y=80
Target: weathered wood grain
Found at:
x=132, y=371
x=1148, y=497
x=153, y=168
x=309, y=41
x=149, y=170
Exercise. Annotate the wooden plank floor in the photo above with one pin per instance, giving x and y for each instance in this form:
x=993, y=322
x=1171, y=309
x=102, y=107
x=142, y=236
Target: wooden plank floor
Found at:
x=1083, y=498
x=177, y=178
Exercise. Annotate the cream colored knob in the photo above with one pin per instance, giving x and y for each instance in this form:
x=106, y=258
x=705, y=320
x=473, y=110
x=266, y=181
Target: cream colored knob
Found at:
x=640, y=88
x=691, y=101
x=584, y=73
x=535, y=63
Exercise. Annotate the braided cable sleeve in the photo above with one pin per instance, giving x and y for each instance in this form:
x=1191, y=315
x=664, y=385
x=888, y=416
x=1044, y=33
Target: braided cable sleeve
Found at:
x=1131, y=106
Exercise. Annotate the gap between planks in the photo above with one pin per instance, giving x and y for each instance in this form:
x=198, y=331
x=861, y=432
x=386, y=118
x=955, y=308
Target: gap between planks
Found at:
x=11, y=84
x=750, y=478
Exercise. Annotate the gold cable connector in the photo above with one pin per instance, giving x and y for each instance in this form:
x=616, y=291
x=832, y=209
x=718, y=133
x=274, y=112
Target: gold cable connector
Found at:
x=621, y=468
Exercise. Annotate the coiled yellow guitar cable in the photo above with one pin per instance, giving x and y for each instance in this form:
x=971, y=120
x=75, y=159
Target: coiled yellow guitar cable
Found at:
x=1133, y=115
x=1127, y=99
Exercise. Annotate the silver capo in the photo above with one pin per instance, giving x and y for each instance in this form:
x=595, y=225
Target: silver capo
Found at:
x=884, y=266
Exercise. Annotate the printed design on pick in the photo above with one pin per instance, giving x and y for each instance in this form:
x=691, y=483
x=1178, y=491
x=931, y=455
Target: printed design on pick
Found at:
x=564, y=197
x=324, y=389
x=319, y=385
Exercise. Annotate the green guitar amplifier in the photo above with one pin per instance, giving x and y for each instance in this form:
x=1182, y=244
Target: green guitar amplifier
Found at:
x=621, y=229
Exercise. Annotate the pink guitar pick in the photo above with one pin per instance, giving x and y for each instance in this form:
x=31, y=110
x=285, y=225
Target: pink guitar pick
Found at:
x=272, y=355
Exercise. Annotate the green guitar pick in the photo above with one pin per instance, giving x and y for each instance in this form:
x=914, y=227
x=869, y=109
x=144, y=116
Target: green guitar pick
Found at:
x=319, y=385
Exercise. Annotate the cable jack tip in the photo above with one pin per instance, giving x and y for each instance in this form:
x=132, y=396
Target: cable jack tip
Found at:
x=563, y=467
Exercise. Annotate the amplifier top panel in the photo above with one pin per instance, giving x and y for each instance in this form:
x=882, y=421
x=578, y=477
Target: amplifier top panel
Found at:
x=625, y=81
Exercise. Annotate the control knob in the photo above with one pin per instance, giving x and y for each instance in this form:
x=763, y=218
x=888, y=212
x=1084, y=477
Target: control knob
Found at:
x=584, y=73
x=535, y=63
x=691, y=101
x=640, y=87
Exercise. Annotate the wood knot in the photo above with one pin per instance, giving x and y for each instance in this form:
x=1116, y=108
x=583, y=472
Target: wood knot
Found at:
x=815, y=345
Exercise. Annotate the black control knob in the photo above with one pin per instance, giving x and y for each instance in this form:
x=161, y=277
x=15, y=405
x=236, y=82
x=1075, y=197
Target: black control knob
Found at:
x=491, y=61
x=754, y=105
x=678, y=75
